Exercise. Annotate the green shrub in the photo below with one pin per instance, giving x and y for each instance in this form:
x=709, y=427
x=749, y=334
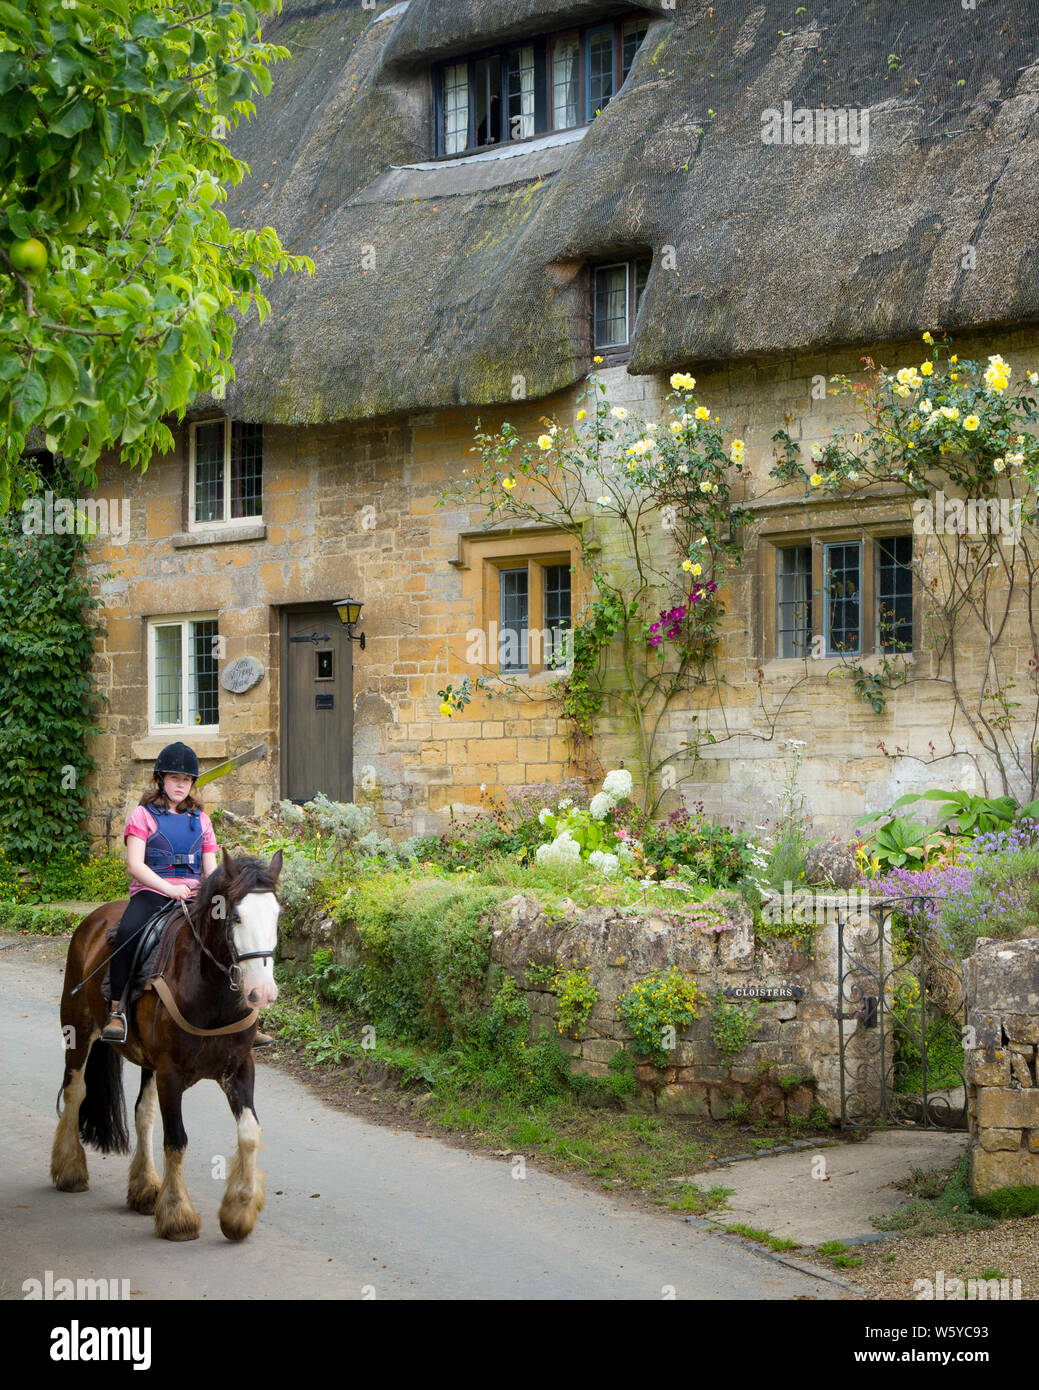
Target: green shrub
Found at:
x=577, y=997
x=47, y=921
x=47, y=694
x=732, y=1024
x=69, y=874
x=655, y=1009
x=12, y=887
x=1002, y=902
x=1010, y=1201
x=428, y=947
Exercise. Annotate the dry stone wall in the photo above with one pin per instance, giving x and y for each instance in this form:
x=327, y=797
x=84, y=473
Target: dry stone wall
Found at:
x=1002, y=1091
x=791, y=1061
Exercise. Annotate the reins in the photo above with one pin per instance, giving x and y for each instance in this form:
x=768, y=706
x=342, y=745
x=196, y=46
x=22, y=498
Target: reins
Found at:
x=234, y=977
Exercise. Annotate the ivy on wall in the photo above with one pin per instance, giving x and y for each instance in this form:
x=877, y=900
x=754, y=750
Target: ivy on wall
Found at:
x=48, y=705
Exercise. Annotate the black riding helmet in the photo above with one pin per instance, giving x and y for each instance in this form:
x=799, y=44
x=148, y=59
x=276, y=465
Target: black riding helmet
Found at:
x=177, y=757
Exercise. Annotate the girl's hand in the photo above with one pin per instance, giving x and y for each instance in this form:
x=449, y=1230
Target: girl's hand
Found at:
x=179, y=891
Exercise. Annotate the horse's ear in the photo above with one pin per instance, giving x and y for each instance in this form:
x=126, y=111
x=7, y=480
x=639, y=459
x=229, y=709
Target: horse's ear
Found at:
x=275, y=865
x=229, y=864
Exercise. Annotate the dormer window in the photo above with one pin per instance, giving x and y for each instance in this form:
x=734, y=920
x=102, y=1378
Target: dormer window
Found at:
x=617, y=291
x=558, y=82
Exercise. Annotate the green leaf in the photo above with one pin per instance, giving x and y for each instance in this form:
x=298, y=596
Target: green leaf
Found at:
x=154, y=123
x=61, y=67
x=17, y=116
x=10, y=71
x=146, y=26
x=28, y=397
x=73, y=118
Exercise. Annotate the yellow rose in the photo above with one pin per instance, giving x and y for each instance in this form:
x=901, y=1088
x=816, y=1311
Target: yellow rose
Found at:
x=596, y=359
x=687, y=564
x=696, y=570
x=581, y=414
x=926, y=368
x=971, y=422
x=508, y=484
x=954, y=358
x=815, y=480
x=445, y=709
x=544, y=441
x=928, y=340
x=702, y=413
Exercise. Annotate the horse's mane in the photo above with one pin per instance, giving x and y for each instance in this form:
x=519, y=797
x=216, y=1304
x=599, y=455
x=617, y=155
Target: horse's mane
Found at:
x=250, y=875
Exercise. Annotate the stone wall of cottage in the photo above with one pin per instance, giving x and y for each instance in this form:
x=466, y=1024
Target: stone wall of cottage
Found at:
x=353, y=508
x=1002, y=985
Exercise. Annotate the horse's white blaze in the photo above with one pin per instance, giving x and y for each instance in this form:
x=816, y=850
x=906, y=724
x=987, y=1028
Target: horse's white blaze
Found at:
x=257, y=930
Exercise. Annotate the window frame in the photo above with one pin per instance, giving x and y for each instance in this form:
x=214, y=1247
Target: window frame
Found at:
x=868, y=537
x=228, y=522
x=544, y=46
x=482, y=555
x=532, y=655
x=183, y=620
x=615, y=353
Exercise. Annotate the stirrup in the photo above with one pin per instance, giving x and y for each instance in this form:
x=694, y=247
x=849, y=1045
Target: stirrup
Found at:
x=108, y=1031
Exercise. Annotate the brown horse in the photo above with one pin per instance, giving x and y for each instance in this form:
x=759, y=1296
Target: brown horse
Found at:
x=219, y=971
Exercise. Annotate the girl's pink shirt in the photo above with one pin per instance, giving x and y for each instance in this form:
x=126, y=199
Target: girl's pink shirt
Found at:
x=144, y=825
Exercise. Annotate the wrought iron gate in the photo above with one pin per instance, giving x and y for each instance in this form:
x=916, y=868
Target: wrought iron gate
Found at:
x=901, y=1014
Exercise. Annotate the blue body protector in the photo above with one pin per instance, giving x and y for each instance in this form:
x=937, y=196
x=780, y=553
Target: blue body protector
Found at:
x=175, y=850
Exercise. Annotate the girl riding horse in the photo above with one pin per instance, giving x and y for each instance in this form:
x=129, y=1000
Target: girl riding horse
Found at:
x=170, y=846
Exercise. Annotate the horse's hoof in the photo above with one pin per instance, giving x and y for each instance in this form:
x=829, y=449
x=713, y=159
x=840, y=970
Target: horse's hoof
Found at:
x=143, y=1199
x=184, y=1225
x=180, y=1232
x=71, y=1182
x=238, y=1225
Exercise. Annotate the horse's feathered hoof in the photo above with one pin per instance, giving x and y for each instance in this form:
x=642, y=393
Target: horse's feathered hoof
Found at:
x=142, y=1197
x=177, y=1223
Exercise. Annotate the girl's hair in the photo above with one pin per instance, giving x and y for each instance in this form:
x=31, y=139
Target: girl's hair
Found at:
x=159, y=798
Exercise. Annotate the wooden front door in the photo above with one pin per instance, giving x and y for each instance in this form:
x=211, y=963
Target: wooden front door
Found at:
x=317, y=726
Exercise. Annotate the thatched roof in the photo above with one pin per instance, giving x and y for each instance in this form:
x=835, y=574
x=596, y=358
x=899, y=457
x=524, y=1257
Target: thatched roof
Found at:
x=777, y=246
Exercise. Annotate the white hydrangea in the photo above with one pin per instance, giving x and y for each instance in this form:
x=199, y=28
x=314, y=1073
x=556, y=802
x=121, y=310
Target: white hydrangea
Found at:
x=601, y=805
x=618, y=784
x=600, y=859
x=625, y=851
x=543, y=815
x=566, y=803
x=563, y=849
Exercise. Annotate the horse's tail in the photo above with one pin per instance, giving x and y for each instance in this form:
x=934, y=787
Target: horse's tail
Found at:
x=102, y=1116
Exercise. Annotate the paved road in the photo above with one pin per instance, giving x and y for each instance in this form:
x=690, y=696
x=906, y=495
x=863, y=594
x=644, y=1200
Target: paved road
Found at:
x=351, y=1207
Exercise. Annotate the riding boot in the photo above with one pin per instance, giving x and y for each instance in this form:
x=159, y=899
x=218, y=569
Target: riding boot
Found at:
x=116, y=1029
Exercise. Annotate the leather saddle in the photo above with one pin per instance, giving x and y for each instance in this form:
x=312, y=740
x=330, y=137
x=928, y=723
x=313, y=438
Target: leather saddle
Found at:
x=153, y=943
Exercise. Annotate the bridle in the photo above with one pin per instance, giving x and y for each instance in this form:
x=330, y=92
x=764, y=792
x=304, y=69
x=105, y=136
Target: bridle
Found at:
x=234, y=970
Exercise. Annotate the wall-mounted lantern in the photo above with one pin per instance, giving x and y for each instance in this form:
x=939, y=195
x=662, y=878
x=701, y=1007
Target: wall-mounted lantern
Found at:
x=349, y=610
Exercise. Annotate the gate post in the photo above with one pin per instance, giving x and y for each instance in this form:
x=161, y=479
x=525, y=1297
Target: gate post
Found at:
x=1002, y=985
